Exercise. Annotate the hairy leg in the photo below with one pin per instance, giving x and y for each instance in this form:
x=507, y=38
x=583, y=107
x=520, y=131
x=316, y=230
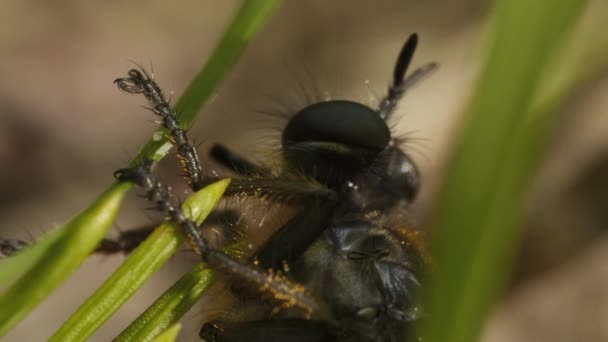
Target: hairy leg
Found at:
x=240, y=165
x=273, y=286
x=140, y=82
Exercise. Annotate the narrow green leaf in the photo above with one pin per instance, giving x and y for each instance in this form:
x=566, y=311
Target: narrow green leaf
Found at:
x=43, y=257
x=582, y=59
x=144, y=261
x=170, y=335
x=176, y=301
x=476, y=225
x=197, y=206
x=249, y=19
x=171, y=306
x=68, y=250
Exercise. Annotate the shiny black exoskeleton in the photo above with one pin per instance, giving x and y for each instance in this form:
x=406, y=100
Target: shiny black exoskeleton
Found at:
x=347, y=174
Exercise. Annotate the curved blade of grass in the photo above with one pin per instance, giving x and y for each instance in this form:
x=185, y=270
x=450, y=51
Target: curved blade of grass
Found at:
x=245, y=24
x=170, y=335
x=476, y=223
x=78, y=239
x=175, y=302
x=144, y=261
x=171, y=306
x=248, y=20
x=584, y=58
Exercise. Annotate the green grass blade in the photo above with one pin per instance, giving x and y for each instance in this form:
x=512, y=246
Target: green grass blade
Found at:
x=171, y=306
x=250, y=17
x=144, y=261
x=583, y=59
x=41, y=258
x=170, y=335
x=79, y=238
x=476, y=225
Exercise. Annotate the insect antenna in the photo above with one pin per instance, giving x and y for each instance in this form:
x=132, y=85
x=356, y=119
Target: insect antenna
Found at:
x=140, y=82
x=400, y=83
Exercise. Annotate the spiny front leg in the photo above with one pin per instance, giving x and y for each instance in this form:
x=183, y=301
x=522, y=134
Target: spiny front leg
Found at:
x=273, y=286
x=241, y=165
x=140, y=82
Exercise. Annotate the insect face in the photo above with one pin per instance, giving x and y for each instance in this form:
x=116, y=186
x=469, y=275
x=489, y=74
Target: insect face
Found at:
x=345, y=145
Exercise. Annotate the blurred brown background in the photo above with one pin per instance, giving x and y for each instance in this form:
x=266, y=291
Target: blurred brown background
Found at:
x=64, y=128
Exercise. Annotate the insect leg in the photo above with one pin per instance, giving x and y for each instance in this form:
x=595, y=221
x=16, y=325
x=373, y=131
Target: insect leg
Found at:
x=235, y=162
x=140, y=82
x=125, y=243
x=9, y=247
x=293, y=238
x=225, y=221
x=288, y=330
x=400, y=83
x=288, y=190
x=271, y=285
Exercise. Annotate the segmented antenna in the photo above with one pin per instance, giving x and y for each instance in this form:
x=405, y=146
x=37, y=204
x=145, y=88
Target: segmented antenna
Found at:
x=140, y=82
x=273, y=286
x=401, y=84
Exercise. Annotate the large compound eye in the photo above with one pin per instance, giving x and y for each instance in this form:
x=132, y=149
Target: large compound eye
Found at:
x=393, y=177
x=401, y=173
x=343, y=122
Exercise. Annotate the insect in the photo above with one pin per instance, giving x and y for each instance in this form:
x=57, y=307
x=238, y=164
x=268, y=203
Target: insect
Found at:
x=352, y=276
x=339, y=269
